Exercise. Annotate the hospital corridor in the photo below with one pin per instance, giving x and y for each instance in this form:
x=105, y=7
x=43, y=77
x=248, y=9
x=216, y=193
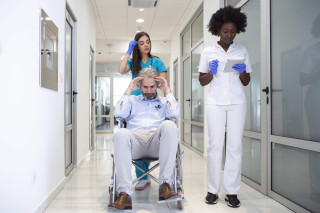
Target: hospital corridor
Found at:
x=212, y=104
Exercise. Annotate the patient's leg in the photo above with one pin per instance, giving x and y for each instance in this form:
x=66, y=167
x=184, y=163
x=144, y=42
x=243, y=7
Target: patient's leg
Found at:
x=122, y=145
x=165, y=141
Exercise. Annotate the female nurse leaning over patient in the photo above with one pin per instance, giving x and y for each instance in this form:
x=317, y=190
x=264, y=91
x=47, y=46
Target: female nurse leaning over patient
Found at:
x=226, y=102
x=140, y=48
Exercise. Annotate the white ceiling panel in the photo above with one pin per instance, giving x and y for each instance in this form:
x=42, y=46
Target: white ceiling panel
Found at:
x=116, y=24
x=165, y=21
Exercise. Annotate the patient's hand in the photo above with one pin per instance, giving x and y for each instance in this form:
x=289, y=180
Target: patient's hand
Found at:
x=163, y=85
x=133, y=85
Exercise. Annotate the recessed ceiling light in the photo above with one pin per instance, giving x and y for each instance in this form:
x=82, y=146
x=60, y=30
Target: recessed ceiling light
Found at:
x=141, y=9
x=138, y=31
x=140, y=20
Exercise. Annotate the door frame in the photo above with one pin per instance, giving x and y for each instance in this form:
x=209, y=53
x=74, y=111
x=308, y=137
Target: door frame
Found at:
x=181, y=86
x=70, y=18
x=269, y=137
x=111, y=105
x=92, y=99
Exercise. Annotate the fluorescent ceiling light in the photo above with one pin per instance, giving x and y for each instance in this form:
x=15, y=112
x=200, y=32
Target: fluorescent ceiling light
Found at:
x=140, y=20
x=141, y=9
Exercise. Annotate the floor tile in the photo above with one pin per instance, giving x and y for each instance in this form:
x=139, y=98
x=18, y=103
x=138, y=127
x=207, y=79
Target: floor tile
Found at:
x=87, y=189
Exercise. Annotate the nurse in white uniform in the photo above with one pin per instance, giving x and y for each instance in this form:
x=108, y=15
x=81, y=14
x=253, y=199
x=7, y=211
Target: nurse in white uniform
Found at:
x=226, y=102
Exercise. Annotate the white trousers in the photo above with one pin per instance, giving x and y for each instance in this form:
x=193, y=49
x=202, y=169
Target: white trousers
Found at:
x=218, y=117
x=130, y=145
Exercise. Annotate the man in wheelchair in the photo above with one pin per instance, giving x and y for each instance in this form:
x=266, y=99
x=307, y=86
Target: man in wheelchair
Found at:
x=150, y=133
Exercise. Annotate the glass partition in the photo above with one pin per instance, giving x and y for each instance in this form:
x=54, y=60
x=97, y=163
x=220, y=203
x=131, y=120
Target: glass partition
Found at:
x=186, y=42
x=295, y=69
x=197, y=105
x=251, y=159
x=197, y=29
x=251, y=39
x=296, y=175
x=103, y=103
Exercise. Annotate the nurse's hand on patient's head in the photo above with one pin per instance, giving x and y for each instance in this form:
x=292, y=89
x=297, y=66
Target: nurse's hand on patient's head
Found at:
x=240, y=68
x=214, y=66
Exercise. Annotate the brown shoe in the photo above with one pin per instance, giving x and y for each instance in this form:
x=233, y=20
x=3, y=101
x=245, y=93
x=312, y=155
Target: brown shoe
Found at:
x=122, y=202
x=165, y=192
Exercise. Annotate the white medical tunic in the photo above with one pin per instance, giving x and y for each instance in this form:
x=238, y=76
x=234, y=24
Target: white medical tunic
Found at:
x=225, y=87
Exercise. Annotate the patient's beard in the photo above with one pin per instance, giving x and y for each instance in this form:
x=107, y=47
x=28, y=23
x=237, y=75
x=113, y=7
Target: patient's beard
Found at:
x=149, y=96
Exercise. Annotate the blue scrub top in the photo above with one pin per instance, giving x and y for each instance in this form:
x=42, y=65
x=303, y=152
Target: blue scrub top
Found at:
x=157, y=64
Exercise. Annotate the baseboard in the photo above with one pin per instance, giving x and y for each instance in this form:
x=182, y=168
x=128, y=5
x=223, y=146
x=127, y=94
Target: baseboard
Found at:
x=52, y=196
x=83, y=160
x=45, y=204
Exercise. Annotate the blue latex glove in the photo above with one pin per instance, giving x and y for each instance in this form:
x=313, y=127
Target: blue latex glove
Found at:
x=214, y=66
x=132, y=44
x=240, y=68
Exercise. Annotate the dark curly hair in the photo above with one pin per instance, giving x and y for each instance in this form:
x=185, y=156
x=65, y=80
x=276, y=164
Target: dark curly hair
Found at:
x=136, y=56
x=225, y=15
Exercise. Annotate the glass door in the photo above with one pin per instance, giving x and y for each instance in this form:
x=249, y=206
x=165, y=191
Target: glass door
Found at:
x=175, y=88
x=70, y=96
x=253, y=167
x=104, y=120
x=192, y=93
x=294, y=115
x=186, y=136
x=92, y=99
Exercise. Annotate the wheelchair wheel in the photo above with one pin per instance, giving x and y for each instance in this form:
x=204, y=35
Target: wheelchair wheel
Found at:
x=111, y=194
x=178, y=182
x=179, y=202
x=112, y=186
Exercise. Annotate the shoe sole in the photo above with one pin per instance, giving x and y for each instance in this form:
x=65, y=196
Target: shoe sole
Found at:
x=207, y=202
x=142, y=188
x=232, y=206
x=115, y=209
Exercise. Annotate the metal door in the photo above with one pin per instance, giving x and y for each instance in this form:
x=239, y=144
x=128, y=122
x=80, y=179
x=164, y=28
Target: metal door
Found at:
x=92, y=99
x=192, y=92
x=186, y=115
x=70, y=96
x=175, y=79
x=176, y=84
x=254, y=146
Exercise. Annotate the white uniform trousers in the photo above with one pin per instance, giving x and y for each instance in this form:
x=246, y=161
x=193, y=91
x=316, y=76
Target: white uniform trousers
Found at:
x=218, y=117
x=128, y=145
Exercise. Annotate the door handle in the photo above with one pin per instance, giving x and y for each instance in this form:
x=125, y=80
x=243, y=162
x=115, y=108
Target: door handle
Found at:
x=266, y=90
x=74, y=93
x=92, y=99
x=188, y=100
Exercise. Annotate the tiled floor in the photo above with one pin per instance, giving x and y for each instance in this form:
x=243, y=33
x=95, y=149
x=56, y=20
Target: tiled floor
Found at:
x=87, y=190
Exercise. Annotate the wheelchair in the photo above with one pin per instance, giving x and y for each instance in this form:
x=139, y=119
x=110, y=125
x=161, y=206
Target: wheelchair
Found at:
x=176, y=179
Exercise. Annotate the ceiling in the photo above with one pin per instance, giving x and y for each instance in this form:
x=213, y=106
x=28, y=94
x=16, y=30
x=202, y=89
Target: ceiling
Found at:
x=116, y=25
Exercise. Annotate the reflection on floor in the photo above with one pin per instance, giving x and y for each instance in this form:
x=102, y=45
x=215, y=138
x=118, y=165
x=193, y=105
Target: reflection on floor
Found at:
x=87, y=190
x=104, y=126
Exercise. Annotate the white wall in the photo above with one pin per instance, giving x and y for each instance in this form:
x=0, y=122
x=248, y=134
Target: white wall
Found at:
x=209, y=7
x=31, y=117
